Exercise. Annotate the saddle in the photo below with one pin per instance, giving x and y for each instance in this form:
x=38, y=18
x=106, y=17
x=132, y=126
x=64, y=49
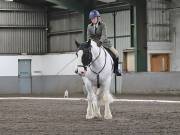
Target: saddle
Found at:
x=110, y=53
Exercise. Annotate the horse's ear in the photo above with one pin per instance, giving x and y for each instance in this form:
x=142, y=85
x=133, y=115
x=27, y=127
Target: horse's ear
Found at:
x=89, y=42
x=77, y=43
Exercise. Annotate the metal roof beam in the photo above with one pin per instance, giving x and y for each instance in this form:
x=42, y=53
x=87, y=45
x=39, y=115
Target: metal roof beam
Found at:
x=68, y=4
x=58, y=4
x=107, y=1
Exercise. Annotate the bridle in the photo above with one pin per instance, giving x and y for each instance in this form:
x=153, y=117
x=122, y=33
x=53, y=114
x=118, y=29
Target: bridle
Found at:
x=91, y=62
x=87, y=53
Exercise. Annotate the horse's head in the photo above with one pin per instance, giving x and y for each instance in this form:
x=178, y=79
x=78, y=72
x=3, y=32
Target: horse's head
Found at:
x=84, y=57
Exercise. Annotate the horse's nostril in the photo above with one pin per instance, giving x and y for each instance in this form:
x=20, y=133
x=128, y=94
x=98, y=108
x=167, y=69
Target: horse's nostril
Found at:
x=82, y=72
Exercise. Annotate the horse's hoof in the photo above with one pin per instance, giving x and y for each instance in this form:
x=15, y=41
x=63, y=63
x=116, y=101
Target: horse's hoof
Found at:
x=89, y=117
x=98, y=115
x=98, y=118
x=108, y=117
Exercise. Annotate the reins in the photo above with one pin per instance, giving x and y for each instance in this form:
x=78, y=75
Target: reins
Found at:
x=97, y=73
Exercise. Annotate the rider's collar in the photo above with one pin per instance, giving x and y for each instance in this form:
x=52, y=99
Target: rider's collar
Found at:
x=96, y=24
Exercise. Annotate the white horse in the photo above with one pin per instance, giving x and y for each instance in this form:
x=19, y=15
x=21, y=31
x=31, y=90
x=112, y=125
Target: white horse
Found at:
x=95, y=65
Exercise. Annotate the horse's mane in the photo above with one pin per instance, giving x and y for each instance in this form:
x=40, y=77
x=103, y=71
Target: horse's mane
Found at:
x=93, y=43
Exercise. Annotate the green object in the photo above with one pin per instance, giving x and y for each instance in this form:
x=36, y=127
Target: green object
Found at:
x=140, y=36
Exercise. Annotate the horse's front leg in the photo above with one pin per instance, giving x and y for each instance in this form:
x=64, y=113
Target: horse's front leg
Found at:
x=93, y=102
x=107, y=98
x=90, y=97
x=88, y=86
x=99, y=102
x=93, y=107
x=89, y=114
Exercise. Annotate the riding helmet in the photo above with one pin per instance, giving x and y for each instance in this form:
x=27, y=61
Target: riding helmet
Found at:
x=93, y=14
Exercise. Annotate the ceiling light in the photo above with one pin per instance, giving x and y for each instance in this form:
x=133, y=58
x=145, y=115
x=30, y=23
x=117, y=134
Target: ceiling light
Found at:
x=9, y=0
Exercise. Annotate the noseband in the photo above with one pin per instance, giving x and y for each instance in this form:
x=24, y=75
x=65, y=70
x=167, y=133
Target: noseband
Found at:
x=85, y=67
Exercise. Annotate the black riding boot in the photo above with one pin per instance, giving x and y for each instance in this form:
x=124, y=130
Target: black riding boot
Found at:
x=116, y=70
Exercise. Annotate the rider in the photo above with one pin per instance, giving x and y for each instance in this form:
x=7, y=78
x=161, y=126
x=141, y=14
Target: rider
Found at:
x=97, y=31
